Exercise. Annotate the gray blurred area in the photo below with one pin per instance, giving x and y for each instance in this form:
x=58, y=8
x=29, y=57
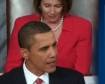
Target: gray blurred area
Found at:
x=19, y=8
x=3, y=34
x=87, y=9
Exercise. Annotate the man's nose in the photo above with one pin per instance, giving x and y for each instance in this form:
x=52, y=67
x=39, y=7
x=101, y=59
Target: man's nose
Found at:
x=53, y=52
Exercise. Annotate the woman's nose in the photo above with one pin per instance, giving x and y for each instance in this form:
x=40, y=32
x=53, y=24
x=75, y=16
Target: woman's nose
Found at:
x=52, y=10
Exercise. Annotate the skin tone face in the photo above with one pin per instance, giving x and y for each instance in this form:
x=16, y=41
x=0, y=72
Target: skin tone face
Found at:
x=51, y=10
x=41, y=57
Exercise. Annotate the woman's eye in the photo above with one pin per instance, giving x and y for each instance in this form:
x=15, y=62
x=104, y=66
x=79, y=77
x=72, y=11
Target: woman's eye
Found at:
x=58, y=6
x=47, y=5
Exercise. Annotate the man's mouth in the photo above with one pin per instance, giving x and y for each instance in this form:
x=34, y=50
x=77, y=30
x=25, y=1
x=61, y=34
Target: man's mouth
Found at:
x=53, y=63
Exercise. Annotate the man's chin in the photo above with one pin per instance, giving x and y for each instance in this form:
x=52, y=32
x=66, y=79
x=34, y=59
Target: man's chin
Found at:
x=52, y=70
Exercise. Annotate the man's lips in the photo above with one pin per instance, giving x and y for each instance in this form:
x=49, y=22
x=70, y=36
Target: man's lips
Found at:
x=53, y=63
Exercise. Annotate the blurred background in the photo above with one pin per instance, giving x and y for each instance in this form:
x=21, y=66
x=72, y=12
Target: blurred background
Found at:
x=3, y=34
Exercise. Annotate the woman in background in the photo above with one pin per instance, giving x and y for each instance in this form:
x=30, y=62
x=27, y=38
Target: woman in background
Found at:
x=73, y=34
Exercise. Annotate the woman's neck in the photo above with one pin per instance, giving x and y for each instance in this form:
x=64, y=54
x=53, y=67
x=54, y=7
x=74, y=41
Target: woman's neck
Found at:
x=54, y=25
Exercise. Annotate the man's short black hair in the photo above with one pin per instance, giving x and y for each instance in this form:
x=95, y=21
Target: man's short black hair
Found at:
x=28, y=31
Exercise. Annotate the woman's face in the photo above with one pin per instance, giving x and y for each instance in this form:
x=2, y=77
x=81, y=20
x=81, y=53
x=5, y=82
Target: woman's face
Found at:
x=51, y=10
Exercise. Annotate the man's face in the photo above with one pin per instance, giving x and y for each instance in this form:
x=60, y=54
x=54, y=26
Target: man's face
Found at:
x=42, y=55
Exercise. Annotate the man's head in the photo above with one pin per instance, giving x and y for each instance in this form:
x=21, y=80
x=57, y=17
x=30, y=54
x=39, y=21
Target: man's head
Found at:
x=38, y=47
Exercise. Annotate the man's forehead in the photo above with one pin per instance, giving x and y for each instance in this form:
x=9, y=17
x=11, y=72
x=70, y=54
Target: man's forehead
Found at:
x=47, y=38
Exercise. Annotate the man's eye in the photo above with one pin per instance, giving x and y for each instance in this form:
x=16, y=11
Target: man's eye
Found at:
x=44, y=48
x=55, y=44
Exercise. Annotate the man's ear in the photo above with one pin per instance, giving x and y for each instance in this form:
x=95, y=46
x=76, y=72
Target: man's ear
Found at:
x=24, y=53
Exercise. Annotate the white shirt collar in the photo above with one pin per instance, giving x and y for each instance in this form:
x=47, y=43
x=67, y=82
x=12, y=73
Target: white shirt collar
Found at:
x=30, y=77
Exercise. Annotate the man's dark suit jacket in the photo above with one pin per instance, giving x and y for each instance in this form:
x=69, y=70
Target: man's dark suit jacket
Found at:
x=60, y=76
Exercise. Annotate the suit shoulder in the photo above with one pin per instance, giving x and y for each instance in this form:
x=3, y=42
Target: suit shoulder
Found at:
x=29, y=17
x=8, y=77
x=20, y=21
x=69, y=76
x=68, y=72
x=79, y=24
x=77, y=19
